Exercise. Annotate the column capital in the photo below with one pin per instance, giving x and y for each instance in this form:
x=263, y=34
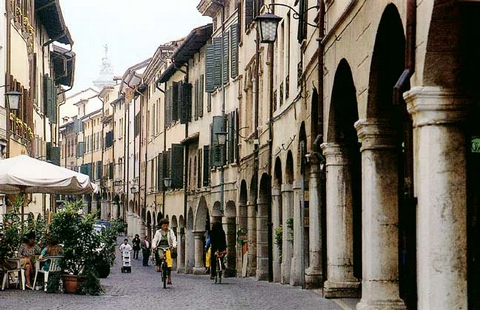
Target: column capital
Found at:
x=276, y=192
x=375, y=134
x=434, y=105
x=286, y=187
x=334, y=154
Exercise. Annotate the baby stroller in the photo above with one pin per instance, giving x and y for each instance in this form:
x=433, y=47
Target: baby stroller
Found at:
x=126, y=264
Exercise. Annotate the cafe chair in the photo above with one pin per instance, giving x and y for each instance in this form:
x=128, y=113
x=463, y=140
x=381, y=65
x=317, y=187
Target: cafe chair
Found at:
x=54, y=266
x=9, y=275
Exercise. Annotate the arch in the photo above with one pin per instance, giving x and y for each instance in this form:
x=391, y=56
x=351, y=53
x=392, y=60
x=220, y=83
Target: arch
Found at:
x=388, y=63
x=253, y=189
x=342, y=137
x=173, y=222
x=289, y=176
x=190, y=219
x=264, y=230
x=443, y=60
x=201, y=215
x=302, y=150
x=243, y=192
x=181, y=221
x=230, y=209
x=277, y=174
x=216, y=212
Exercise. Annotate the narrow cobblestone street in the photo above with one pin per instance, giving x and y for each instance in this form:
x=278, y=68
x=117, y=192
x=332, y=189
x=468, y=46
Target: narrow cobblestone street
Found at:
x=141, y=289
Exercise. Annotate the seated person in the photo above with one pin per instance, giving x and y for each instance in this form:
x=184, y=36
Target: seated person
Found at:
x=26, y=251
x=52, y=249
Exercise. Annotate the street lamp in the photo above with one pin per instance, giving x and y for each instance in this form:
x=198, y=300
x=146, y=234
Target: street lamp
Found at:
x=12, y=102
x=12, y=99
x=221, y=138
x=167, y=182
x=268, y=24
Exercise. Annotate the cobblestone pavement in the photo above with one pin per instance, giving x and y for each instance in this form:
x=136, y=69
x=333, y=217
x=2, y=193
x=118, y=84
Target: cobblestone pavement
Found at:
x=141, y=289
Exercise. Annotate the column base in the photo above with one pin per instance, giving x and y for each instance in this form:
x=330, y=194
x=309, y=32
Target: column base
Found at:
x=342, y=290
x=397, y=304
x=181, y=270
x=199, y=270
x=313, y=278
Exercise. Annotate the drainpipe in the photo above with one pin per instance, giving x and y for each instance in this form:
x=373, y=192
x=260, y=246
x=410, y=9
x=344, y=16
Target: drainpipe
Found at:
x=102, y=148
x=185, y=156
x=402, y=83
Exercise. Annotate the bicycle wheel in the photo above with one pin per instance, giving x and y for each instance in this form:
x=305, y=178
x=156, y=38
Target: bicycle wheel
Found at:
x=164, y=274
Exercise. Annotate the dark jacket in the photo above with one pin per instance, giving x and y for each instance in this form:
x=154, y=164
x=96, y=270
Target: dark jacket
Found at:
x=217, y=238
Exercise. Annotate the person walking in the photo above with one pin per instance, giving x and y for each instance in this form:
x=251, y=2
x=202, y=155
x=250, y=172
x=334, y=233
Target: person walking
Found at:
x=218, y=242
x=136, y=246
x=146, y=247
x=164, y=237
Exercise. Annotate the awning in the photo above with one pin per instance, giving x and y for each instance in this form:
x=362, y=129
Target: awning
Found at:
x=191, y=138
x=50, y=15
x=63, y=62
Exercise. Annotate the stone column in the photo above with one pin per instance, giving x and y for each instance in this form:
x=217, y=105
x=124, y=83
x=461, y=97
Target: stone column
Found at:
x=341, y=283
x=189, y=251
x=440, y=187
x=262, y=240
x=277, y=222
x=199, y=268
x=241, y=224
x=296, y=271
x=252, y=239
x=181, y=251
x=287, y=238
x=380, y=288
x=231, y=241
x=314, y=272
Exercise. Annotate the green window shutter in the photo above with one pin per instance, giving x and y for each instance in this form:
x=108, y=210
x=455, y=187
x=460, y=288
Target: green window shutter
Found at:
x=160, y=171
x=206, y=165
x=201, y=95
x=248, y=13
x=195, y=113
x=99, y=170
x=234, y=30
x=231, y=137
x=199, y=168
x=175, y=100
x=181, y=103
x=80, y=149
x=177, y=166
x=209, y=68
x=185, y=102
x=110, y=170
x=48, y=96
x=217, y=74
x=226, y=41
x=218, y=156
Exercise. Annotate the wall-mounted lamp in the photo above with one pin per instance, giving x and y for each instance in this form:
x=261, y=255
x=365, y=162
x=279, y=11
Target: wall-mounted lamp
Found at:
x=167, y=182
x=268, y=22
x=221, y=137
x=12, y=99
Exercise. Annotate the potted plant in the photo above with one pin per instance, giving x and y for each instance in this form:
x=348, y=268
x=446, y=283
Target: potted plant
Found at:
x=106, y=252
x=80, y=243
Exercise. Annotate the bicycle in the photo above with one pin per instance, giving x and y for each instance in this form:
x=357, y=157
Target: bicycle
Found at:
x=164, y=269
x=219, y=256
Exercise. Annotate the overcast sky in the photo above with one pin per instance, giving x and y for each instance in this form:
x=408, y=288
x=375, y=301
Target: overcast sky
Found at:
x=132, y=29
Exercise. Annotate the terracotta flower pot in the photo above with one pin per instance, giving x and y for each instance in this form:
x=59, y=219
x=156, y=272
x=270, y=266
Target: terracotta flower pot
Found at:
x=71, y=283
